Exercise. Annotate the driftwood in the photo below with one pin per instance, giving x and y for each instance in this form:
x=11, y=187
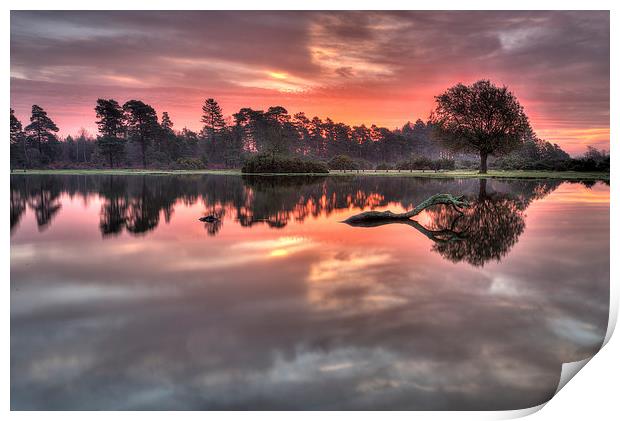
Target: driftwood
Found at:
x=438, y=236
x=374, y=218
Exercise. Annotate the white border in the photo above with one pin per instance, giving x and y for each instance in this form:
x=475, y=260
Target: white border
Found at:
x=593, y=394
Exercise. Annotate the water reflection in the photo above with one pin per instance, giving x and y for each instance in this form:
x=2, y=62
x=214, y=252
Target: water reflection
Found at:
x=126, y=301
x=486, y=231
x=136, y=203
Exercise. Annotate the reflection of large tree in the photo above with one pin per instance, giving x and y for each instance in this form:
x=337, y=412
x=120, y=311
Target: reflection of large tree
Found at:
x=487, y=229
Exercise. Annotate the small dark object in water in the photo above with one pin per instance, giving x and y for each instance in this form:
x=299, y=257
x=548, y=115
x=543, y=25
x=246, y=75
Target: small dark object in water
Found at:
x=209, y=218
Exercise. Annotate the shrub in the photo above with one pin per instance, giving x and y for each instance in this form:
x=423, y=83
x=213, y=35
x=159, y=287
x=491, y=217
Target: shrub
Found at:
x=416, y=163
x=573, y=164
x=383, y=166
x=364, y=164
x=444, y=164
x=466, y=164
x=343, y=162
x=189, y=164
x=262, y=163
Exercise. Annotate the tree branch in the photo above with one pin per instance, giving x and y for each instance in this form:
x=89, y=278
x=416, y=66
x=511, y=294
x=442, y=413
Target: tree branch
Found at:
x=438, y=199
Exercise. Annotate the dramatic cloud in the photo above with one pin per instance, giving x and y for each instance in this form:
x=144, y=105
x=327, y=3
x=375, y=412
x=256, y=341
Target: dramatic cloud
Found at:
x=356, y=67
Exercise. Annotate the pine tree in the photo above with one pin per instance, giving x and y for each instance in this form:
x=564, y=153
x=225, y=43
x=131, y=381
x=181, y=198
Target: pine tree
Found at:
x=18, y=141
x=41, y=128
x=142, y=125
x=167, y=137
x=111, y=128
x=212, y=119
x=166, y=123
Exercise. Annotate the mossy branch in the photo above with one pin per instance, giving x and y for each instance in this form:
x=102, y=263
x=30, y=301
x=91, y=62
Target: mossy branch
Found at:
x=457, y=202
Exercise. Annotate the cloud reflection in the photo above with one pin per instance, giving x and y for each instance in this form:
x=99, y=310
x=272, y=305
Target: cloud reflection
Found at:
x=345, y=319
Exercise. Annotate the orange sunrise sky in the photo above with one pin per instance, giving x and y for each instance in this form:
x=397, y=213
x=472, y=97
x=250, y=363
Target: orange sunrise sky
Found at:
x=355, y=67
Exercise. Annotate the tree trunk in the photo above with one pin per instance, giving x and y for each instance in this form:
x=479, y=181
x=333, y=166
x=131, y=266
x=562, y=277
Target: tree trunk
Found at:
x=482, y=191
x=143, y=154
x=483, y=162
x=26, y=160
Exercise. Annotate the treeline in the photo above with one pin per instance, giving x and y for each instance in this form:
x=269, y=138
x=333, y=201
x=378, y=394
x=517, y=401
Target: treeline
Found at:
x=132, y=135
x=536, y=154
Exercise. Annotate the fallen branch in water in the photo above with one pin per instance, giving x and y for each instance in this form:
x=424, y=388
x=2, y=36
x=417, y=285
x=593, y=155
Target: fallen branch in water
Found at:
x=446, y=235
x=438, y=199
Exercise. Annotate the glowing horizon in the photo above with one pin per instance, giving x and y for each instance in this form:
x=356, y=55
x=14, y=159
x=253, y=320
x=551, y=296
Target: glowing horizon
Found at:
x=380, y=68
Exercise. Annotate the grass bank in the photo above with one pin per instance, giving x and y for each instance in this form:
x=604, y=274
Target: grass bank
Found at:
x=564, y=175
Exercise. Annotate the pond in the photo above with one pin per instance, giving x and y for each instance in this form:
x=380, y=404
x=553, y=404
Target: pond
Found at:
x=122, y=299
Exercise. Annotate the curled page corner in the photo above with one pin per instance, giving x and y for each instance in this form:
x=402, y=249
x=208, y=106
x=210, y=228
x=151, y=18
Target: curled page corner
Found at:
x=568, y=372
x=520, y=413
x=570, y=369
x=613, y=312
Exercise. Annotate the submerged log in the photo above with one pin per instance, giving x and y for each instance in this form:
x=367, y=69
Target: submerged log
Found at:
x=361, y=219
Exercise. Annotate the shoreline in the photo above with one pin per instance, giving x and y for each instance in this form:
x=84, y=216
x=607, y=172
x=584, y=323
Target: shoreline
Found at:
x=517, y=174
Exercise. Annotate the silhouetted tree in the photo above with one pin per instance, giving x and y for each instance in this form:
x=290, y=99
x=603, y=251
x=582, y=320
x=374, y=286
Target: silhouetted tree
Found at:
x=480, y=118
x=111, y=128
x=141, y=123
x=278, y=132
x=19, y=154
x=166, y=122
x=168, y=139
x=41, y=131
x=212, y=119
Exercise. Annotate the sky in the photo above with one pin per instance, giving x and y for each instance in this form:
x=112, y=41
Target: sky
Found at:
x=356, y=67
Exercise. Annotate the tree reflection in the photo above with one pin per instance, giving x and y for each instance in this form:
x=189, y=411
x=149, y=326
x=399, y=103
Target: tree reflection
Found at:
x=485, y=231
x=137, y=210
x=18, y=207
x=114, y=210
x=213, y=227
x=136, y=204
x=488, y=229
x=43, y=200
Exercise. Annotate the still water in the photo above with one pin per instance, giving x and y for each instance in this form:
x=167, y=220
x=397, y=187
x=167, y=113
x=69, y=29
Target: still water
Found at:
x=122, y=299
